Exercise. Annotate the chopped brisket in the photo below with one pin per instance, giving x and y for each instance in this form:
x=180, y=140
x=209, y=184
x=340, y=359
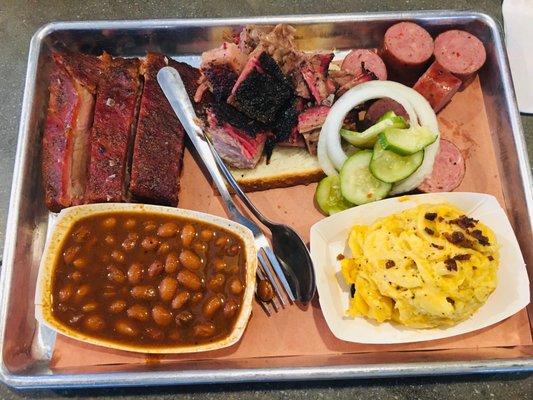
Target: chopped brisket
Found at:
x=228, y=54
x=261, y=91
x=221, y=79
x=314, y=69
x=226, y=113
x=312, y=118
x=220, y=69
x=159, y=142
x=112, y=131
x=355, y=80
x=234, y=145
x=311, y=141
x=68, y=120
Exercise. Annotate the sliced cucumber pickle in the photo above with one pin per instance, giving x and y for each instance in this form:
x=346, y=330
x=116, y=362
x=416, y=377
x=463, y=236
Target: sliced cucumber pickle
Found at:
x=391, y=167
x=329, y=197
x=368, y=137
x=407, y=141
x=358, y=185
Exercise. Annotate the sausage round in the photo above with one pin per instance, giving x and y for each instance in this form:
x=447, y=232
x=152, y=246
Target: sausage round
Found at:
x=438, y=86
x=407, y=48
x=448, y=170
x=380, y=107
x=460, y=52
x=359, y=58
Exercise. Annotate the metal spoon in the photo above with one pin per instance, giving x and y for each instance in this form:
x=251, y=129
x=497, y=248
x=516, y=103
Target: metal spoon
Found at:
x=289, y=248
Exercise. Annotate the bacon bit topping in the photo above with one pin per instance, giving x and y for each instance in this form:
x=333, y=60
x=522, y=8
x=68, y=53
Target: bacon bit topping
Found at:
x=451, y=264
x=440, y=219
x=430, y=216
x=389, y=264
x=437, y=246
x=464, y=222
x=462, y=257
x=340, y=257
x=459, y=239
x=490, y=258
x=482, y=239
x=429, y=231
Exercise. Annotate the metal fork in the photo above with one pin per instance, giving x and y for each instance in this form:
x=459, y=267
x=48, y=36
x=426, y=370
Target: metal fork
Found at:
x=269, y=268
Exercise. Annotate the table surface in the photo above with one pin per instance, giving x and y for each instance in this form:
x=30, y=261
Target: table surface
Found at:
x=19, y=19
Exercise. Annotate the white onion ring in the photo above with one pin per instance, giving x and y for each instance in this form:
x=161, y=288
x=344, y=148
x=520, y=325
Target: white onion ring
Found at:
x=330, y=153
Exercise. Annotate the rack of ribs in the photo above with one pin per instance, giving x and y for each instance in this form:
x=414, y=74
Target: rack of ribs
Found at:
x=112, y=131
x=66, y=130
x=159, y=141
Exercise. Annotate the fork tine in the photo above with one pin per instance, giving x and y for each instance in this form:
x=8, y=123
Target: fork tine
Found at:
x=279, y=272
x=268, y=272
x=276, y=302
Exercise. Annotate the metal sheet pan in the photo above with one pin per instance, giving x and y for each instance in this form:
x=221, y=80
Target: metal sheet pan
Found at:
x=26, y=349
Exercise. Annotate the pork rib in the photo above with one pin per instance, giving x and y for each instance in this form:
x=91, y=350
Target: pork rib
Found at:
x=112, y=130
x=64, y=145
x=159, y=142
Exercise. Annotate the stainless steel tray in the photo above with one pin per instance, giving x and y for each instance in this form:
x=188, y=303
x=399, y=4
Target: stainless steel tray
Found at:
x=26, y=348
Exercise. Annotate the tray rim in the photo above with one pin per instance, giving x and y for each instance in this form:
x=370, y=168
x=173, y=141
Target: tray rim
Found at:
x=27, y=381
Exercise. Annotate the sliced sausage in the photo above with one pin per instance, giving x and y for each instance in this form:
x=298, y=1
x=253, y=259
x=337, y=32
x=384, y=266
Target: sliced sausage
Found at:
x=380, y=107
x=460, y=52
x=448, y=170
x=438, y=86
x=406, y=50
x=358, y=59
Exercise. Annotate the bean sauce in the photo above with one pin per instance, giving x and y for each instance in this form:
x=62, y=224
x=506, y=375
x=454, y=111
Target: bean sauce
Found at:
x=149, y=279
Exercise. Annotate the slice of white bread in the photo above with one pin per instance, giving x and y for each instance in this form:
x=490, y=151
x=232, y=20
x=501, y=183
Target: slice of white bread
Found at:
x=288, y=166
